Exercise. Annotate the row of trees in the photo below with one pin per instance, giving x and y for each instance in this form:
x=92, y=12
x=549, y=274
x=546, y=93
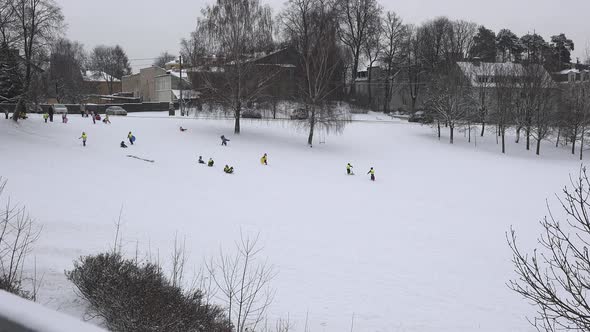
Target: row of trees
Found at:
x=333, y=39
x=519, y=97
x=36, y=62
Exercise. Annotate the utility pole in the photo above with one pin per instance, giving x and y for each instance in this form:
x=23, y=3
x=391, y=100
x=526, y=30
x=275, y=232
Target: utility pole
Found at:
x=181, y=103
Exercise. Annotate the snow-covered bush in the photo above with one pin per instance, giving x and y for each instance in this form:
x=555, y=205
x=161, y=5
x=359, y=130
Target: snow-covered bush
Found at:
x=130, y=295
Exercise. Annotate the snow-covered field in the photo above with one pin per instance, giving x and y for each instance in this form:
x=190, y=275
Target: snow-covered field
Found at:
x=421, y=249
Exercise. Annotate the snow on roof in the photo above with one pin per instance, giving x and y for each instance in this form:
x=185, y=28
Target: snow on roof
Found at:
x=490, y=68
x=186, y=94
x=571, y=70
x=98, y=76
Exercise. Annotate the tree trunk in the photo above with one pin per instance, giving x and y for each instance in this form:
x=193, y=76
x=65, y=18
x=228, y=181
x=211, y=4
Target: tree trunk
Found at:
x=311, y=127
x=582, y=142
x=528, y=138
x=538, y=146
x=438, y=126
x=237, y=116
x=469, y=128
x=370, y=90
x=518, y=135
x=558, y=136
x=451, y=133
x=274, y=109
x=503, y=141
x=483, y=128
x=574, y=140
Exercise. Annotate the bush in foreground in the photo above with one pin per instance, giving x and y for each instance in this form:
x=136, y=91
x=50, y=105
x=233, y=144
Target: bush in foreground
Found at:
x=135, y=296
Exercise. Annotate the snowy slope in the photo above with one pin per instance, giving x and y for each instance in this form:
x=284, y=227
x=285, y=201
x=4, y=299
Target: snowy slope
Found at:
x=30, y=316
x=421, y=249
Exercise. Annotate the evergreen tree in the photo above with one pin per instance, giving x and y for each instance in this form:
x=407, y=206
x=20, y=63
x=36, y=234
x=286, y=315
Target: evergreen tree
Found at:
x=534, y=47
x=509, y=46
x=561, y=47
x=484, y=45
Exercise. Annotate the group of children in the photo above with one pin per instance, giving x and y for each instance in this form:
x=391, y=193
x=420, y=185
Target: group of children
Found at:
x=130, y=137
x=230, y=169
x=64, y=117
x=350, y=172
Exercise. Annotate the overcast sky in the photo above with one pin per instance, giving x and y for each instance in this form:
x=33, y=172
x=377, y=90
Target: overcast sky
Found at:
x=145, y=28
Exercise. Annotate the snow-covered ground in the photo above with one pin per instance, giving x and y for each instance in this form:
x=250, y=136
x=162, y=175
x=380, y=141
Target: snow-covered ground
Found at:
x=421, y=249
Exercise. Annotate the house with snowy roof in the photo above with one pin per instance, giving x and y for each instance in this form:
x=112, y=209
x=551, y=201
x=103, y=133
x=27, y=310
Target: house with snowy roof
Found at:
x=576, y=74
x=100, y=83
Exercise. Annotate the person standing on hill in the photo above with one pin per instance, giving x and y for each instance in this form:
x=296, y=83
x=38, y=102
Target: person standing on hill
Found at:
x=224, y=140
x=372, y=172
x=264, y=159
x=84, y=137
x=349, y=169
x=51, y=112
x=93, y=118
x=131, y=138
x=45, y=116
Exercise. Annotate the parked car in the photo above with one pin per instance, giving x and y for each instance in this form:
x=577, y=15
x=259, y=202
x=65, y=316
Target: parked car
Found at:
x=35, y=109
x=421, y=117
x=299, y=114
x=60, y=109
x=116, y=110
x=251, y=114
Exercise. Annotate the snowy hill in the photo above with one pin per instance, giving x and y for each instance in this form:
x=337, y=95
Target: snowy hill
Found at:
x=421, y=249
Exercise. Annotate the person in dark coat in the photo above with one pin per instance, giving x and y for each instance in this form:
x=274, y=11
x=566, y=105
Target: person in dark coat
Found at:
x=224, y=140
x=123, y=145
x=51, y=112
x=93, y=118
x=201, y=161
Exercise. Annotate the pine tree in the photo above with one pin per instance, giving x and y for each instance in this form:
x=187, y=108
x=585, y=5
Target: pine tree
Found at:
x=534, y=48
x=509, y=46
x=562, y=47
x=484, y=45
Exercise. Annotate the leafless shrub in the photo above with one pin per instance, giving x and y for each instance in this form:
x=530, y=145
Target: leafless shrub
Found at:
x=243, y=283
x=18, y=233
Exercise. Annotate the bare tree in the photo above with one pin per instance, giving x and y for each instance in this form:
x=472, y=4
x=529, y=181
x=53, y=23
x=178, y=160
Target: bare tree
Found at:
x=451, y=97
x=461, y=38
x=243, y=283
x=312, y=28
x=109, y=63
x=356, y=18
x=372, y=49
x=576, y=113
x=194, y=49
x=38, y=22
x=539, y=95
x=237, y=30
x=556, y=276
x=18, y=233
x=393, y=37
x=67, y=62
x=507, y=90
x=414, y=69
x=163, y=59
